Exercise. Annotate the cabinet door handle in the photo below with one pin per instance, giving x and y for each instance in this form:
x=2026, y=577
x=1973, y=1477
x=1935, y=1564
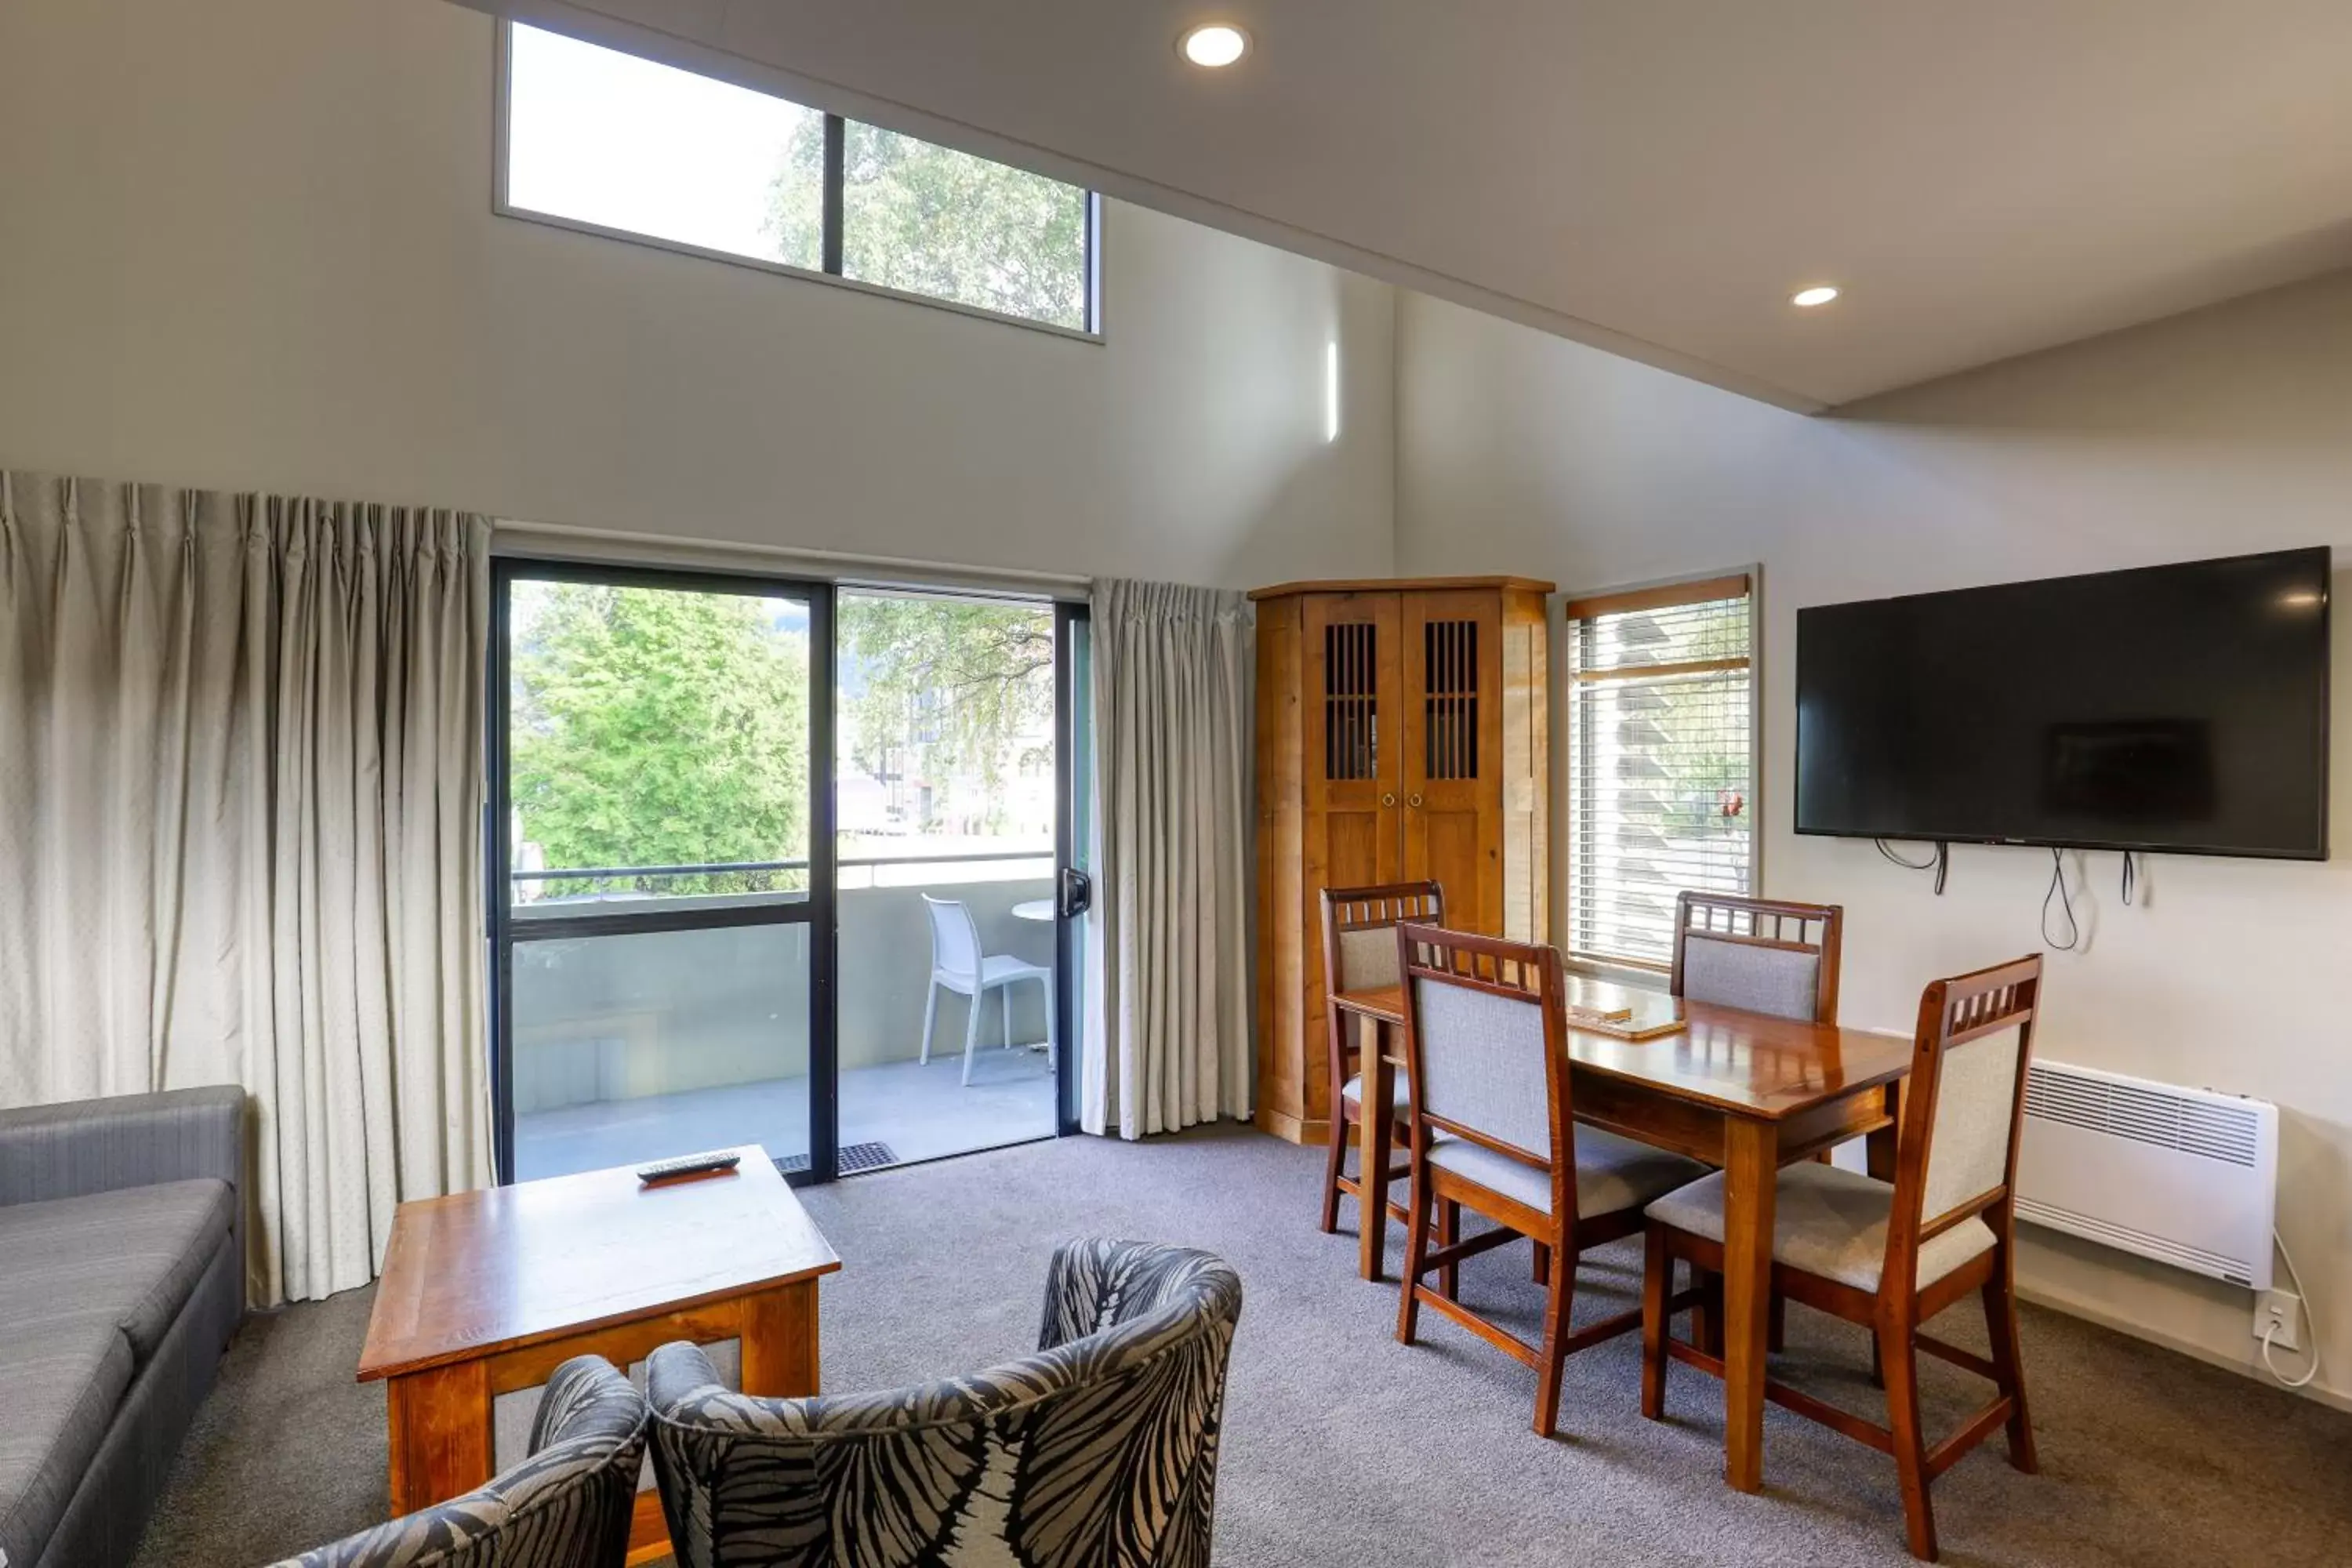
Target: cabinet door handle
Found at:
x=1387, y=799
x=1413, y=800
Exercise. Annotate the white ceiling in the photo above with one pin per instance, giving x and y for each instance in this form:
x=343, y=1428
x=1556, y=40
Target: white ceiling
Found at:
x=1984, y=179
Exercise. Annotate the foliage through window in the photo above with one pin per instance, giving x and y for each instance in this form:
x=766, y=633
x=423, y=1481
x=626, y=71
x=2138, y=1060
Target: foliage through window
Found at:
x=598, y=137
x=946, y=725
x=653, y=728
x=1662, y=778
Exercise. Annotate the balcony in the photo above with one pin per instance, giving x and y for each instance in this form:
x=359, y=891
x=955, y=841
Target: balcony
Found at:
x=630, y=1046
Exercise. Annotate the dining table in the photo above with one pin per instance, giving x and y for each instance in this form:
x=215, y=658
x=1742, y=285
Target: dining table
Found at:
x=1747, y=1093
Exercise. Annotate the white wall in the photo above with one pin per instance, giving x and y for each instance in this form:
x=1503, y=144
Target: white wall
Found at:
x=249, y=244
x=2226, y=431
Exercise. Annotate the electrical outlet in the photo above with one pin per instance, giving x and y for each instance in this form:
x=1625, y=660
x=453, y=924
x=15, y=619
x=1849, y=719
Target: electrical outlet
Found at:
x=2279, y=1314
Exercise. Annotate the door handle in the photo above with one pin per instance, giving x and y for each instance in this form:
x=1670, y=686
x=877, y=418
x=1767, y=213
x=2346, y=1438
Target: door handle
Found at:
x=1413, y=800
x=1077, y=892
x=1387, y=798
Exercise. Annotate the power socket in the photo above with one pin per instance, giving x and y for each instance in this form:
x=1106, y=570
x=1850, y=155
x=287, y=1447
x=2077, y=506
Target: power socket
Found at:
x=2279, y=1314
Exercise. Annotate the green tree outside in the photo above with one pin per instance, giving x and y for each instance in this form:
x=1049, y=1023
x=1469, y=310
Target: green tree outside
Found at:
x=952, y=684
x=660, y=728
x=933, y=221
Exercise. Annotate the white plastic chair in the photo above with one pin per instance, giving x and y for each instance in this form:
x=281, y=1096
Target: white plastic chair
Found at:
x=958, y=964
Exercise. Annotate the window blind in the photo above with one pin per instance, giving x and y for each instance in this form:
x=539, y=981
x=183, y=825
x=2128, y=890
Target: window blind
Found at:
x=1661, y=788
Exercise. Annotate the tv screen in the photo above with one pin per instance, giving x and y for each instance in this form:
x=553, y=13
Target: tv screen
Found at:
x=2169, y=707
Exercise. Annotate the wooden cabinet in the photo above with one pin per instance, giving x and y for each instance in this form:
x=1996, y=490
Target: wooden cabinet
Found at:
x=1401, y=736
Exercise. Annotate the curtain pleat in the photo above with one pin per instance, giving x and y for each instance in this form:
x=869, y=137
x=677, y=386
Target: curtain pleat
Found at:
x=240, y=806
x=1168, y=949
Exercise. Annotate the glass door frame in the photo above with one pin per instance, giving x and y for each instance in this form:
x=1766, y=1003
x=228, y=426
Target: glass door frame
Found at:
x=1073, y=813
x=819, y=912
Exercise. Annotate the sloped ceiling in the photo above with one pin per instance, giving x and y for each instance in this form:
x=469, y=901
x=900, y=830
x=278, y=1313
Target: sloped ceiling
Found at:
x=1983, y=179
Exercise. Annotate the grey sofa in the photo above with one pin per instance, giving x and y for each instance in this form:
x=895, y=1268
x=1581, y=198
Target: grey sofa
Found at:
x=568, y=1505
x=121, y=1278
x=1098, y=1451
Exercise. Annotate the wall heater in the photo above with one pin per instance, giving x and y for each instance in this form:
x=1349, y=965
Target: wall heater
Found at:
x=2183, y=1175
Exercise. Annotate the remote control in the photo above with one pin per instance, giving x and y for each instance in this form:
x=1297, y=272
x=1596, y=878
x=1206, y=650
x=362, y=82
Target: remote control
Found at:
x=689, y=1165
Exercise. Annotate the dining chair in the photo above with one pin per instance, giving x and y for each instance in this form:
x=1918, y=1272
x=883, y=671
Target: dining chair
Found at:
x=1761, y=955
x=1360, y=954
x=1890, y=1256
x=957, y=965
x=1486, y=1042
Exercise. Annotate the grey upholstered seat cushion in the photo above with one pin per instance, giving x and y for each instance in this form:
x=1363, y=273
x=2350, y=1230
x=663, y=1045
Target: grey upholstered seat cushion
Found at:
x=1827, y=1222
x=60, y=1381
x=1401, y=1094
x=1101, y=1448
x=1612, y=1174
x=566, y=1506
x=128, y=1257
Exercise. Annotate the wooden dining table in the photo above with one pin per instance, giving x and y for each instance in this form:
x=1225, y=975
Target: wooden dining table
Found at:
x=1744, y=1092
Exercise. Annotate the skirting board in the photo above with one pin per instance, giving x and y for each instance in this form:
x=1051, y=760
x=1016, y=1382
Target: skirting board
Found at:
x=2074, y=1307
x=1291, y=1129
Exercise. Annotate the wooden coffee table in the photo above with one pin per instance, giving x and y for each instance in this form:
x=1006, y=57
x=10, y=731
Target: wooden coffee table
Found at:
x=488, y=1291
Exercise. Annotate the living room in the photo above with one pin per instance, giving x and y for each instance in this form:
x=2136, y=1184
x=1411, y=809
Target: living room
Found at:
x=315, y=420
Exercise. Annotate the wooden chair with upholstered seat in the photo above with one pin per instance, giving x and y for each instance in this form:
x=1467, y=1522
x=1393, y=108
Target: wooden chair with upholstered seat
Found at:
x=1485, y=1041
x=1360, y=954
x=1761, y=955
x=1892, y=1256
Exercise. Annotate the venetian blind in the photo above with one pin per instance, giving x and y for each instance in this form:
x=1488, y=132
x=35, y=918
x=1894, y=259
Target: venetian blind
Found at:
x=1661, y=782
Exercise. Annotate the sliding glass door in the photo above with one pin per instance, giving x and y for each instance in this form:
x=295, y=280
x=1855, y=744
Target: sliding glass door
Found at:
x=783, y=863
x=946, y=787
x=662, y=915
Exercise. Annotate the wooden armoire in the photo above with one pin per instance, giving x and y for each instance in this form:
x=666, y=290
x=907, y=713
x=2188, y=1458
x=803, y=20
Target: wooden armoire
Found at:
x=1401, y=736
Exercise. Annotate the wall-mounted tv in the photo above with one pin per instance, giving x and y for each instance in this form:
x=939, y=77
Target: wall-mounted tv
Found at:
x=2175, y=708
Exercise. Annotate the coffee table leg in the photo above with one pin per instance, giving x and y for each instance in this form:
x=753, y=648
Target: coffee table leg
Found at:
x=440, y=1421
x=1751, y=1174
x=780, y=1343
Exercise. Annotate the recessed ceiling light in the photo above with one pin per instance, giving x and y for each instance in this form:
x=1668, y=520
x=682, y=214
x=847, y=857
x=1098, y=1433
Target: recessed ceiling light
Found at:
x=1819, y=294
x=1215, y=45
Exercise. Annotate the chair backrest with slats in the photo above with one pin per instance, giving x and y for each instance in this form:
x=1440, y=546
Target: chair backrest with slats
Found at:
x=1359, y=945
x=1963, y=1106
x=1759, y=954
x=955, y=941
x=1359, y=952
x=1485, y=1044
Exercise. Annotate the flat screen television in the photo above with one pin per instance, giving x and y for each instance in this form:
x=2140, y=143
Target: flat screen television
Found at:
x=2174, y=709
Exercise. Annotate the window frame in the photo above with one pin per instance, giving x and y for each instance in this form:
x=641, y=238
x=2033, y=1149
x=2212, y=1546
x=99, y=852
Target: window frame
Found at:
x=1665, y=594
x=836, y=128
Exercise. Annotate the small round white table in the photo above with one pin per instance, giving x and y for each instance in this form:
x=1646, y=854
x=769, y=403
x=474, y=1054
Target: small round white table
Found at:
x=1038, y=910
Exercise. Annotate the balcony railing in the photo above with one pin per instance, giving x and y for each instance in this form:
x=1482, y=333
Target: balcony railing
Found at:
x=582, y=896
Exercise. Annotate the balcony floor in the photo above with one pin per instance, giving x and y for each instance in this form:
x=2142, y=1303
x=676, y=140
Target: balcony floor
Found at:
x=920, y=1110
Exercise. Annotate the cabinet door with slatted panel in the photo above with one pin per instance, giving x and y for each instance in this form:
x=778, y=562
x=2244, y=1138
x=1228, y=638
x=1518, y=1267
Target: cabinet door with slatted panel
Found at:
x=1352, y=742
x=1452, y=762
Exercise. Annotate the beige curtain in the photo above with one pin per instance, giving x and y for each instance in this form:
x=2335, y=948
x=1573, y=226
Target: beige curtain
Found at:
x=1168, y=945
x=240, y=825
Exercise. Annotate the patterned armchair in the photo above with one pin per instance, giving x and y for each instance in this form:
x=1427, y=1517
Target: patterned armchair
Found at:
x=1099, y=1450
x=566, y=1506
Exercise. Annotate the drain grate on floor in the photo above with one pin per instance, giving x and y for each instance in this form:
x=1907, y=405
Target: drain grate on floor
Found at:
x=855, y=1157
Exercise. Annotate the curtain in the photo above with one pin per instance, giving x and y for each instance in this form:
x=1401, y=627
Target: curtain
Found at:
x=1168, y=950
x=241, y=748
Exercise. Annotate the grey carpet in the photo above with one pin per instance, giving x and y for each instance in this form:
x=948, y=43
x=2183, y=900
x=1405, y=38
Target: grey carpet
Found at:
x=1343, y=1445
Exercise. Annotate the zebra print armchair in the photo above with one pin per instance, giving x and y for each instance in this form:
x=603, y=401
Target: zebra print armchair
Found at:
x=566, y=1506
x=1099, y=1450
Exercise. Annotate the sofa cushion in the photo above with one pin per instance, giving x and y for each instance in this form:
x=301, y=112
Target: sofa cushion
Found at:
x=127, y=1258
x=60, y=1381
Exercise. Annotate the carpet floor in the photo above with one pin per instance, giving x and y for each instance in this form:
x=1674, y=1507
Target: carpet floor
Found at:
x=1342, y=1446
